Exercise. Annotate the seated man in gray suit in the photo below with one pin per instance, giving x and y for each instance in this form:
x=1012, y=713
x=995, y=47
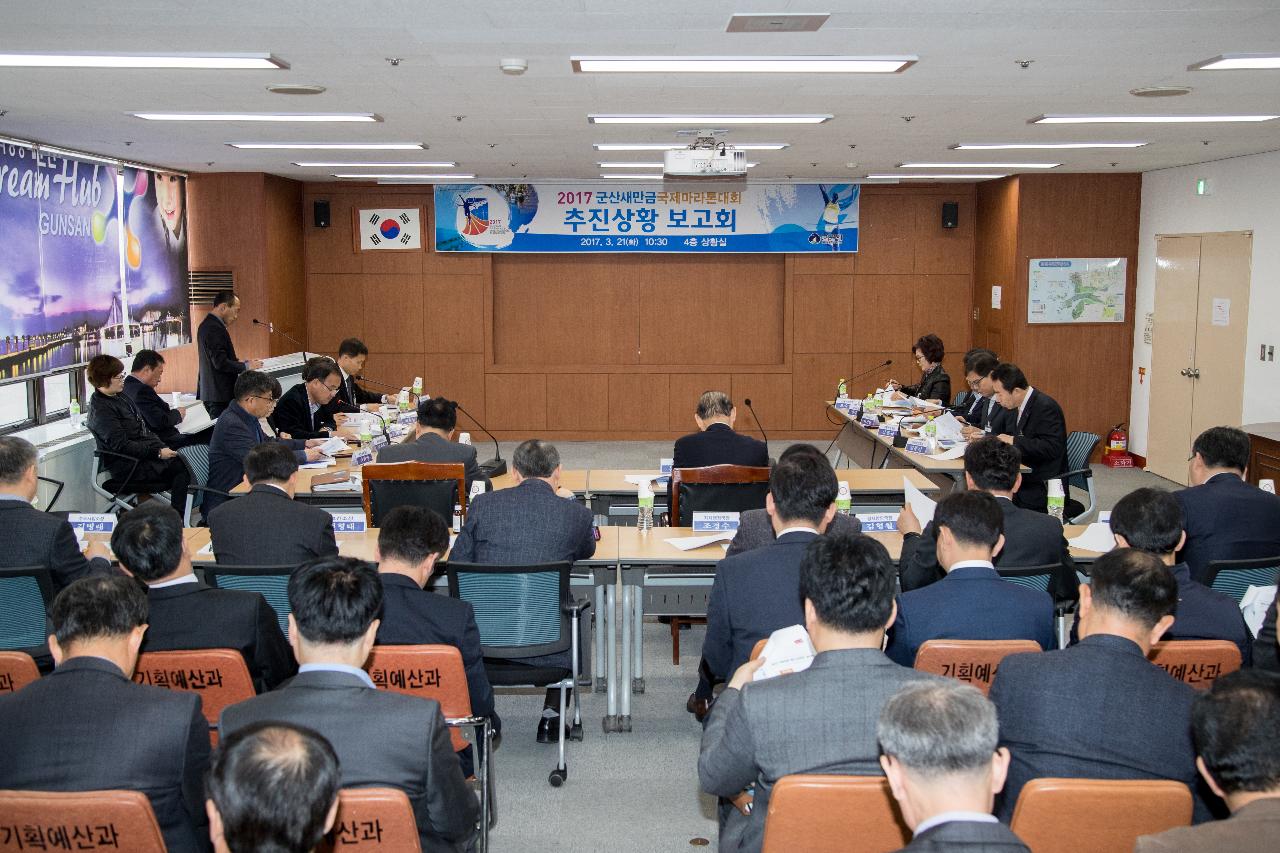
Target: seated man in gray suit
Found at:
x=382, y=739
x=1100, y=709
x=1234, y=724
x=939, y=751
x=267, y=527
x=433, y=441
x=87, y=727
x=820, y=720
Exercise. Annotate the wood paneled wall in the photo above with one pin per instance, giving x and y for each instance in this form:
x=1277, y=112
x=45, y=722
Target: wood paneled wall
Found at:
x=1085, y=367
x=620, y=346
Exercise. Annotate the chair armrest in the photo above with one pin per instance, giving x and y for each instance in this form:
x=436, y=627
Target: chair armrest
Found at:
x=575, y=608
x=464, y=722
x=194, y=488
x=57, y=491
x=1085, y=472
x=102, y=452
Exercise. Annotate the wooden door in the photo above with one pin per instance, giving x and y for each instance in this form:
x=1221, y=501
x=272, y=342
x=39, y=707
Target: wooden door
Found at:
x=1173, y=351
x=1220, y=331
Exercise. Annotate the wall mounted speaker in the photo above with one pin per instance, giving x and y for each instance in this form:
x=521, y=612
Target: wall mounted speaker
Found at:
x=950, y=214
x=320, y=209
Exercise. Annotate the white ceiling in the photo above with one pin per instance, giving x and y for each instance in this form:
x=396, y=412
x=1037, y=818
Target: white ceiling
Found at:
x=966, y=86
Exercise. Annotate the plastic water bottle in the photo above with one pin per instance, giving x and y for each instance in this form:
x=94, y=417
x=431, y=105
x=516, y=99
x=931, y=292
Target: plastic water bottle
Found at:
x=74, y=411
x=931, y=434
x=417, y=386
x=1057, y=499
x=644, y=502
x=404, y=400
x=457, y=518
x=842, y=390
x=842, y=499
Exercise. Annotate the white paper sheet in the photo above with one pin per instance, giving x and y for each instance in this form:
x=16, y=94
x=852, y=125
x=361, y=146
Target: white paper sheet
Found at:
x=1096, y=537
x=921, y=504
x=332, y=446
x=1254, y=605
x=323, y=463
x=194, y=419
x=689, y=543
x=641, y=479
x=207, y=550
x=948, y=427
x=787, y=650
x=956, y=452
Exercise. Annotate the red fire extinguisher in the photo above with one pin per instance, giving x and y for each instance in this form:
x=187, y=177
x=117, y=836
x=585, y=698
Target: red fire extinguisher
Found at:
x=1116, y=453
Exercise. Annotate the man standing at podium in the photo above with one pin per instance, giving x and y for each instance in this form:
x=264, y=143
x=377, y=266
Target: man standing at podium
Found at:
x=219, y=364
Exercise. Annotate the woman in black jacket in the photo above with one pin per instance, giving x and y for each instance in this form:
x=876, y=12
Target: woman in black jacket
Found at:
x=934, y=383
x=117, y=425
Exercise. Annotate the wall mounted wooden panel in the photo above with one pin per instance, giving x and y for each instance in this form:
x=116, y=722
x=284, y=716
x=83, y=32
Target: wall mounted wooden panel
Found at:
x=683, y=393
x=823, y=312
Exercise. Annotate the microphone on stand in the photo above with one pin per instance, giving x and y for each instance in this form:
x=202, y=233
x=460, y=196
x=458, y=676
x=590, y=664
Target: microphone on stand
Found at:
x=885, y=363
x=496, y=466
x=757, y=420
x=272, y=330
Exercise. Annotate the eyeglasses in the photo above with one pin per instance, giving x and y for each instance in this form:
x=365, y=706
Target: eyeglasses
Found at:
x=918, y=358
x=973, y=383
x=333, y=389
x=270, y=400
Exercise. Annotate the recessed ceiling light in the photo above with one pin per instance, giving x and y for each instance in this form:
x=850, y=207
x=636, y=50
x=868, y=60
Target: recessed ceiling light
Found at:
x=311, y=117
x=705, y=120
x=43, y=59
x=297, y=89
x=407, y=175
x=944, y=176
x=663, y=146
x=333, y=146
x=744, y=64
x=776, y=22
x=1238, y=61
x=978, y=165
x=307, y=164
x=1160, y=91
x=633, y=177
x=1147, y=119
x=1010, y=146
x=646, y=165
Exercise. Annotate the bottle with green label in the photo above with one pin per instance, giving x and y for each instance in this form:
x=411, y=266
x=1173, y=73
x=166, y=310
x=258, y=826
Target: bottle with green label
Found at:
x=74, y=412
x=843, y=500
x=842, y=390
x=644, y=503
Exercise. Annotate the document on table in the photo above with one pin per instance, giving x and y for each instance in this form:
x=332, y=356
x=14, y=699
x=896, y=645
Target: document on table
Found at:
x=1096, y=537
x=323, y=463
x=955, y=452
x=921, y=504
x=195, y=419
x=207, y=550
x=641, y=479
x=332, y=446
x=689, y=543
x=948, y=427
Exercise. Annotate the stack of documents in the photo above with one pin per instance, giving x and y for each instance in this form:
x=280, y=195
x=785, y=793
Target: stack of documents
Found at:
x=1096, y=537
x=195, y=419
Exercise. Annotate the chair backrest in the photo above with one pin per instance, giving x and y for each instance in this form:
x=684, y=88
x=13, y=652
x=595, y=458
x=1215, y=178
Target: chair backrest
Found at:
x=197, y=458
x=1196, y=662
x=431, y=671
x=971, y=661
x=1079, y=446
x=271, y=581
x=219, y=677
x=17, y=670
x=716, y=488
x=388, y=485
x=821, y=813
x=519, y=609
x=79, y=820
x=373, y=819
x=27, y=593
x=1032, y=577
x=1101, y=816
x=1234, y=577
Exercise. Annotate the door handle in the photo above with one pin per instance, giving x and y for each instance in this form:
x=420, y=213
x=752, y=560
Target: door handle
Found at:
x=1195, y=373
x=1186, y=371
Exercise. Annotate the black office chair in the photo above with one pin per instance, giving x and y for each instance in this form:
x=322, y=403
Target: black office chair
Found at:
x=1234, y=577
x=27, y=594
x=271, y=581
x=1054, y=579
x=122, y=493
x=716, y=488
x=1079, y=446
x=437, y=486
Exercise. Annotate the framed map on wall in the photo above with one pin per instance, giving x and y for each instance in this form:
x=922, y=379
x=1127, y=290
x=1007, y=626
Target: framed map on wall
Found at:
x=1076, y=290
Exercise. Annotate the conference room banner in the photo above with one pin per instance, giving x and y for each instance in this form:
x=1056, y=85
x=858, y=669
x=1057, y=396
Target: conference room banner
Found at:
x=746, y=218
x=155, y=269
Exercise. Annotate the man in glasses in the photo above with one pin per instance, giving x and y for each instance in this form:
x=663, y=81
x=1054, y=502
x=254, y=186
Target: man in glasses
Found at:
x=982, y=414
x=304, y=411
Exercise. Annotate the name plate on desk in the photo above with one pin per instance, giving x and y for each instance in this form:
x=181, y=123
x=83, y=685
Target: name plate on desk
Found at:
x=363, y=456
x=879, y=522
x=714, y=521
x=349, y=522
x=378, y=441
x=888, y=430
x=91, y=522
x=664, y=466
x=869, y=421
x=917, y=445
x=407, y=418
x=852, y=408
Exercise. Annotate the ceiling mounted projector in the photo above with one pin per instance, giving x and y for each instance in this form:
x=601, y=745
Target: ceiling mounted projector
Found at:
x=705, y=159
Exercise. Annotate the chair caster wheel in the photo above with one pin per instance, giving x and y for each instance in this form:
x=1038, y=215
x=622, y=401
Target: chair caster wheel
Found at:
x=575, y=731
x=637, y=685
x=558, y=776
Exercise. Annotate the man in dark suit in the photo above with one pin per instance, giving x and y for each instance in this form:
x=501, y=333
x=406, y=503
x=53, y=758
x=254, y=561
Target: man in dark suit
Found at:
x=410, y=541
x=186, y=613
x=433, y=441
x=304, y=410
x=939, y=750
x=972, y=602
x=267, y=527
x=382, y=739
x=162, y=419
x=1037, y=427
x=715, y=442
x=819, y=720
x=1225, y=517
x=754, y=593
x=1234, y=724
x=535, y=521
x=982, y=415
x=1100, y=709
x=1030, y=538
x=35, y=538
x=1151, y=520
x=87, y=727
x=352, y=355
x=239, y=432
x=219, y=364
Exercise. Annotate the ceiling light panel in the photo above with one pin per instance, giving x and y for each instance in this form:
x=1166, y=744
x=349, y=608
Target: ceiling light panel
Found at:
x=978, y=165
x=332, y=146
x=1040, y=146
x=406, y=175
x=307, y=164
x=231, y=61
x=646, y=165
x=284, y=117
x=941, y=176
x=704, y=120
x=1148, y=119
x=743, y=64
x=1238, y=62
x=663, y=146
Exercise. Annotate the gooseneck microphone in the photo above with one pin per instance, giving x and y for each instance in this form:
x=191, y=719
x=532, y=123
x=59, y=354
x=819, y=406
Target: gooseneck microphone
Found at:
x=272, y=330
x=757, y=420
x=496, y=466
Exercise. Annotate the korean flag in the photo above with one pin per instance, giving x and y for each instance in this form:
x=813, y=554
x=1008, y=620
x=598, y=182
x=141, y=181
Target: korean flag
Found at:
x=390, y=229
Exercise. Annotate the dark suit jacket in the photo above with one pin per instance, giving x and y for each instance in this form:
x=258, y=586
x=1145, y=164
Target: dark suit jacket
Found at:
x=293, y=415
x=970, y=836
x=1096, y=710
x=87, y=728
x=411, y=616
x=117, y=425
x=382, y=739
x=1040, y=435
x=753, y=595
x=1265, y=654
x=430, y=447
x=1206, y=614
x=718, y=444
x=970, y=603
x=1247, y=829
x=35, y=538
x=1228, y=519
x=934, y=385
x=1030, y=539
x=524, y=525
x=198, y=616
x=160, y=417
x=985, y=413
x=755, y=530
x=352, y=395
x=235, y=433
x=219, y=364
x=821, y=720
x=268, y=528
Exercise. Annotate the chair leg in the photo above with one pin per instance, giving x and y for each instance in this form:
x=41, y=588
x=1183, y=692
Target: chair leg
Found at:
x=558, y=775
x=675, y=640
x=575, y=731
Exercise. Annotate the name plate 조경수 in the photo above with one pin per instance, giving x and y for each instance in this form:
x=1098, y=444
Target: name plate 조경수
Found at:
x=710, y=522
x=879, y=522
